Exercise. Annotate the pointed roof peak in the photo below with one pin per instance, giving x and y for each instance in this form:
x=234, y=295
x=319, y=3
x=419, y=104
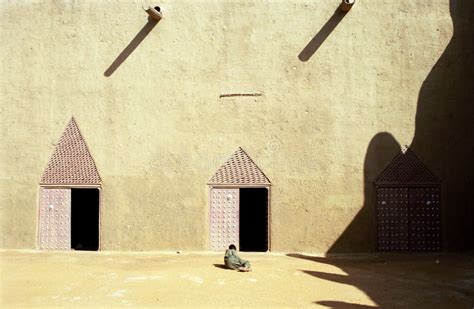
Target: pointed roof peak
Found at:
x=71, y=162
x=406, y=168
x=239, y=169
x=72, y=123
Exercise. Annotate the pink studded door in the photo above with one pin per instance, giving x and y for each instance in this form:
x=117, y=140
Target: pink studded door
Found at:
x=224, y=218
x=55, y=219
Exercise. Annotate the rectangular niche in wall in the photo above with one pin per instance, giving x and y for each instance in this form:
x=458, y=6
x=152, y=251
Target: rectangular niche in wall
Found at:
x=408, y=206
x=85, y=219
x=239, y=206
x=253, y=219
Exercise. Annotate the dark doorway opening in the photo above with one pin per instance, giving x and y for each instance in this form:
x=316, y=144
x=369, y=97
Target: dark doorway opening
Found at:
x=253, y=219
x=85, y=219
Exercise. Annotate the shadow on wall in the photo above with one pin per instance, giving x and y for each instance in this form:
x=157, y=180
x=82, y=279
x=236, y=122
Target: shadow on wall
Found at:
x=141, y=35
x=360, y=234
x=444, y=127
x=322, y=35
x=443, y=140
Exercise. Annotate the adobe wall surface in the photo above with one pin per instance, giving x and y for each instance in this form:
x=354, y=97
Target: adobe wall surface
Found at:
x=158, y=130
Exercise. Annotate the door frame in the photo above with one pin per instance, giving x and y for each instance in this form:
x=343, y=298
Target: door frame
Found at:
x=227, y=186
x=99, y=187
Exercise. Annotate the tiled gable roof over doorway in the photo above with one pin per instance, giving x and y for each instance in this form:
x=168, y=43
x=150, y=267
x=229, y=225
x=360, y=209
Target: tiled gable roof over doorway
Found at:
x=71, y=162
x=406, y=168
x=239, y=169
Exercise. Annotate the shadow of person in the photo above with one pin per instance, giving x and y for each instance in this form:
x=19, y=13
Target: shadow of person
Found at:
x=359, y=236
x=444, y=135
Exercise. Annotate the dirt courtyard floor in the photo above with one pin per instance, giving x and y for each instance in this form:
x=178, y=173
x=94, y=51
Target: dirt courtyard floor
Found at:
x=117, y=279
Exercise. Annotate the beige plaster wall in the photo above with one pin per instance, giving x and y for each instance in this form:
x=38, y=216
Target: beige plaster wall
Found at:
x=158, y=130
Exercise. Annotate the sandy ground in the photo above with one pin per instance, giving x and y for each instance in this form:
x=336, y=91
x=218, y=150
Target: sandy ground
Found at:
x=113, y=279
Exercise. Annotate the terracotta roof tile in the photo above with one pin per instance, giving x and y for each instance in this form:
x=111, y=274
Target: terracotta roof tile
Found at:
x=239, y=169
x=71, y=162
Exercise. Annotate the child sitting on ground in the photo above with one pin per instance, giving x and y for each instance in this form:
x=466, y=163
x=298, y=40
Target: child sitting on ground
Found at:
x=233, y=261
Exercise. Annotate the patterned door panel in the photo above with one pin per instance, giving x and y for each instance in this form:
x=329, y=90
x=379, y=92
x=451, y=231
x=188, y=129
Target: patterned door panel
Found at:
x=224, y=218
x=55, y=219
x=425, y=219
x=408, y=219
x=392, y=219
